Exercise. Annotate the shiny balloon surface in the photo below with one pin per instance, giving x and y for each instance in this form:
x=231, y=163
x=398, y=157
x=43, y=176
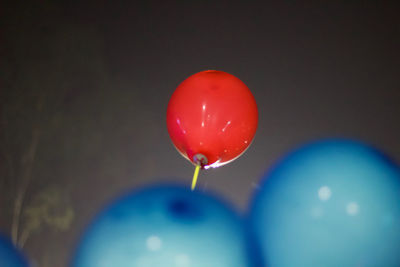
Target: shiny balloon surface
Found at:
x=214, y=115
x=9, y=255
x=167, y=226
x=330, y=203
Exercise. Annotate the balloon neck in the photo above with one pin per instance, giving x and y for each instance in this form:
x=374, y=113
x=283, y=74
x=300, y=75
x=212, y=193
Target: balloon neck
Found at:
x=200, y=159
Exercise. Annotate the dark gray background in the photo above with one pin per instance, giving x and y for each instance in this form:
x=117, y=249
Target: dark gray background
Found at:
x=85, y=86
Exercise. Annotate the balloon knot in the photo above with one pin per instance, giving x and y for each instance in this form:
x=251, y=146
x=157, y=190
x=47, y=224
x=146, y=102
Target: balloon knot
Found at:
x=200, y=159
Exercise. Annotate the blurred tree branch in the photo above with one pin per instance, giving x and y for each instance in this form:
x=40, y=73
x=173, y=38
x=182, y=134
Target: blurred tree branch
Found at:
x=48, y=208
x=61, y=123
x=27, y=162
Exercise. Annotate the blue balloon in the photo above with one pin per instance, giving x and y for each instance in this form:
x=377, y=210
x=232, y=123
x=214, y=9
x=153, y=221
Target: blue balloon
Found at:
x=329, y=203
x=9, y=255
x=165, y=226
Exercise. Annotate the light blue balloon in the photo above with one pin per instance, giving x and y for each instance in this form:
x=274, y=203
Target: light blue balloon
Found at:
x=165, y=226
x=330, y=203
x=9, y=255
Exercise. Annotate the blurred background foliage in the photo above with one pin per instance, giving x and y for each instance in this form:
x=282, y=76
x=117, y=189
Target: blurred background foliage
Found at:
x=59, y=117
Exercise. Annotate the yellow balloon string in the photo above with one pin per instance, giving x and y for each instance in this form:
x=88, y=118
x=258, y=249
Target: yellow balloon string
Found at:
x=195, y=175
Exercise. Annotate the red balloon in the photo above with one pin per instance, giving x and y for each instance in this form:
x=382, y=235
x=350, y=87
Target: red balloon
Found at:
x=212, y=118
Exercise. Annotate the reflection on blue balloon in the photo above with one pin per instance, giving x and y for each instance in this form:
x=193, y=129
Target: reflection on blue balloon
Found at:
x=330, y=203
x=164, y=226
x=9, y=255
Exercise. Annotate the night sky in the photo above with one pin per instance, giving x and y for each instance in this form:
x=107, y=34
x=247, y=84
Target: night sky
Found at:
x=84, y=89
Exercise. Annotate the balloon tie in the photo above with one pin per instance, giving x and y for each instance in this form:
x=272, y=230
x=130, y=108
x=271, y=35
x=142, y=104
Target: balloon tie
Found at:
x=195, y=175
